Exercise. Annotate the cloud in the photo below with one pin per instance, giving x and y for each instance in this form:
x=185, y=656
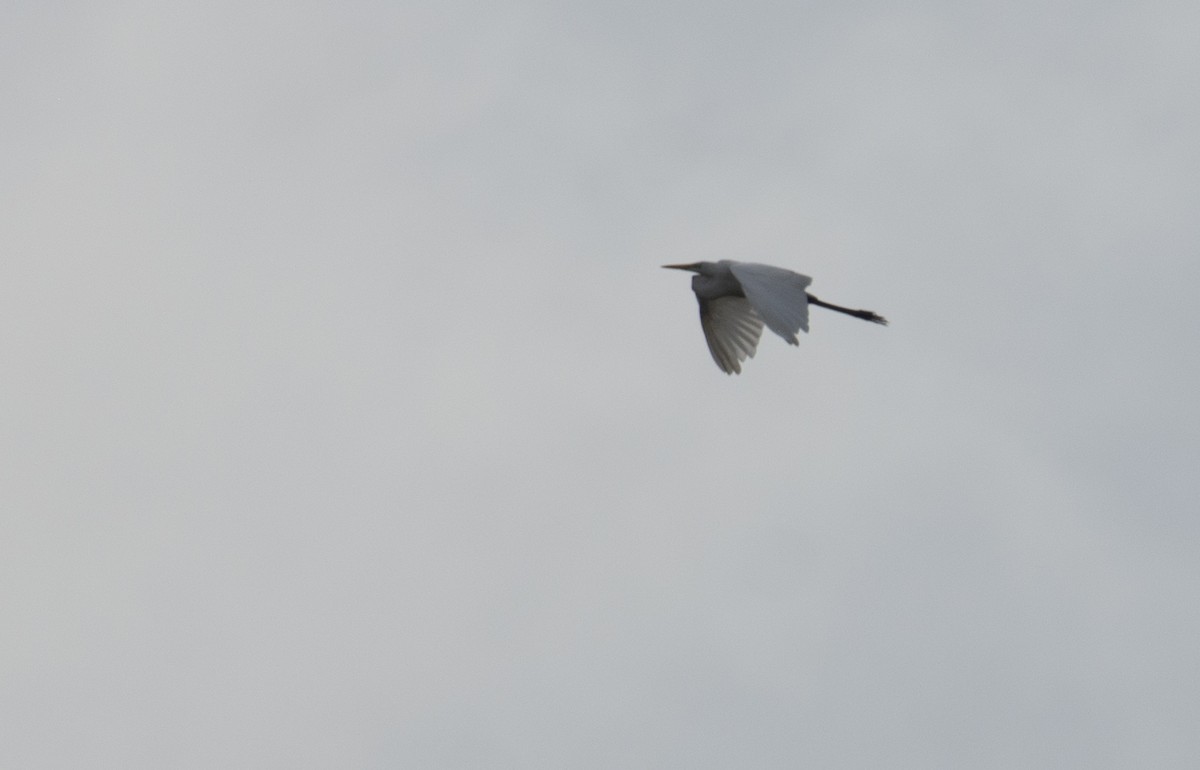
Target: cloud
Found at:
x=350, y=421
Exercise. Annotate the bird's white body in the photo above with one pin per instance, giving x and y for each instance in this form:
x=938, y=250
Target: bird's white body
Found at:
x=738, y=298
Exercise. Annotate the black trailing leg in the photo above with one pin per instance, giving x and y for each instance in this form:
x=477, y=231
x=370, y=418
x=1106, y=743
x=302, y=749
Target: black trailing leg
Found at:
x=866, y=315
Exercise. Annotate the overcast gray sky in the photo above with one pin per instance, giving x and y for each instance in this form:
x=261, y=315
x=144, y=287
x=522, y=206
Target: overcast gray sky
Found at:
x=348, y=420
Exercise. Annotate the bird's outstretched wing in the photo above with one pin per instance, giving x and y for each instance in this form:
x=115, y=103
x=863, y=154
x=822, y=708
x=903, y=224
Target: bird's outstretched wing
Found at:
x=777, y=295
x=732, y=329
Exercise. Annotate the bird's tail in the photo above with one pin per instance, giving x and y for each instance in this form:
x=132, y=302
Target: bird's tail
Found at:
x=866, y=315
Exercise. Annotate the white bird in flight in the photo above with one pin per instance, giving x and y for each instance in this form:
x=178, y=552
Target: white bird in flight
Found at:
x=737, y=298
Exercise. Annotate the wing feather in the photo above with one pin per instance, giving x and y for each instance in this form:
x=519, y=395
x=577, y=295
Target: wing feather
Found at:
x=732, y=329
x=777, y=295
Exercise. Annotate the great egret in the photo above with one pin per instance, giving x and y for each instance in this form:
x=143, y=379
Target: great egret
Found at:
x=737, y=298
